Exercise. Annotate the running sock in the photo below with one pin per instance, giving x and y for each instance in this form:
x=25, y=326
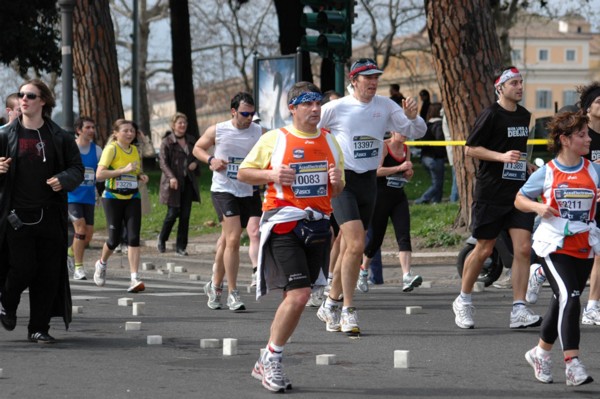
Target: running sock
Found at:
x=103, y=263
x=78, y=265
x=591, y=305
x=134, y=276
x=518, y=303
x=273, y=352
x=465, y=298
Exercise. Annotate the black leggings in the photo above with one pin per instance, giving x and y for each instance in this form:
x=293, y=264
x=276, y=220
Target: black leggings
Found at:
x=119, y=214
x=390, y=206
x=567, y=277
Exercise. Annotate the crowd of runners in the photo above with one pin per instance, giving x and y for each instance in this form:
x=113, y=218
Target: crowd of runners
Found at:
x=306, y=193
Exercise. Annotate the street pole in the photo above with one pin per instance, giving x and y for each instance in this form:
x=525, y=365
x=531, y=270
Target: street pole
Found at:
x=66, y=9
x=339, y=74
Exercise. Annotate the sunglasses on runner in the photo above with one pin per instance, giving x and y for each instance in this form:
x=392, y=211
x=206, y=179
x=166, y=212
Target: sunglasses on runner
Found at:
x=30, y=96
x=246, y=114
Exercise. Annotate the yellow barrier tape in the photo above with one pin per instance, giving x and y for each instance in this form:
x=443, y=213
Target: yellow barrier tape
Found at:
x=462, y=142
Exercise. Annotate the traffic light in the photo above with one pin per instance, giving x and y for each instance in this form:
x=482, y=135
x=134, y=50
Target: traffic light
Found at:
x=333, y=21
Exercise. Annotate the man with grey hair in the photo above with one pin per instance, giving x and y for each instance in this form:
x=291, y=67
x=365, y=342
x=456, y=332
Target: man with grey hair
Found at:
x=359, y=122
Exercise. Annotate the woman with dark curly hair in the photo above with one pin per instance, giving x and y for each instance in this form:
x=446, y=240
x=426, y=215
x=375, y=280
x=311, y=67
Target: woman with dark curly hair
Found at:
x=566, y=239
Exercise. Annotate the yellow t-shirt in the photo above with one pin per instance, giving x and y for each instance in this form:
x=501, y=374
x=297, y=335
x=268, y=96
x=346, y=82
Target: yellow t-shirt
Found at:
x=123, y=187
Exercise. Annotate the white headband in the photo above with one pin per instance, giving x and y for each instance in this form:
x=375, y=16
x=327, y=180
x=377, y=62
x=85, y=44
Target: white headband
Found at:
x=507, y=75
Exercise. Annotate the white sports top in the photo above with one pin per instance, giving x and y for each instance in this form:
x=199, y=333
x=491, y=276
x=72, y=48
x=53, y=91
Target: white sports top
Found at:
x=360, y=127
x=233, y=144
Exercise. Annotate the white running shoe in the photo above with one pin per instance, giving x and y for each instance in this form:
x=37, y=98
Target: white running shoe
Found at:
x=258, y=371
x=136, y=286
x=591, y=316
x=273, y=376
x=349, y=321
x=505, y=282
x=411, y=282
x=541, y=366
x=464, y=313
x=576, y=373
x=534, y=284
x=363, y=281
x=79, y=274
x=100, y=273
x=316, y=297
x=330, y=316
x=214, y=295
x=234, y=302
x=523, y=317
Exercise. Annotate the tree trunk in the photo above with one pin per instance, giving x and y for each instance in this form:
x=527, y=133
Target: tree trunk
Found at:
x=182, y=63
x=95, y=65
x=466, y=53
x=143, y=105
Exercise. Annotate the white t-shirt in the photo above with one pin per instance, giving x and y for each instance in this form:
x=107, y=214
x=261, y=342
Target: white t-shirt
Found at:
x=233, y=144
x=360, y=127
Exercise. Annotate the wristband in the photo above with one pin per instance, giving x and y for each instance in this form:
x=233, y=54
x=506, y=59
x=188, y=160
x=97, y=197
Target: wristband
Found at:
x=210, y=159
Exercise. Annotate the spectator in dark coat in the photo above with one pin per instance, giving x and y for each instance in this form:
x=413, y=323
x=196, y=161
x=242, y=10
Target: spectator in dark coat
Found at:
x=178, y=183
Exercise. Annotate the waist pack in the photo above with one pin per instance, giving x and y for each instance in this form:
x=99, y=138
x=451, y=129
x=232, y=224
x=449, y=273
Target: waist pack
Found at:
x=314, y=232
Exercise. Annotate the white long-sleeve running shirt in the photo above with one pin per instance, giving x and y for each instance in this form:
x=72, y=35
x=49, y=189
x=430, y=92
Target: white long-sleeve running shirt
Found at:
x=360, y=127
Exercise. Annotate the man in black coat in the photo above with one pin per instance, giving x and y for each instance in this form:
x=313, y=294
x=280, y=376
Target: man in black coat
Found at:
x=39, y=164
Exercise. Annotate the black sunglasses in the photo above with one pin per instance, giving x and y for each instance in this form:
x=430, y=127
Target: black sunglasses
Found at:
x=30, y=96
x=246, y=114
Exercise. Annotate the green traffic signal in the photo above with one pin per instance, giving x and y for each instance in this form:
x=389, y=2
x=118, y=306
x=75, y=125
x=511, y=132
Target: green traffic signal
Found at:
x=334, y=23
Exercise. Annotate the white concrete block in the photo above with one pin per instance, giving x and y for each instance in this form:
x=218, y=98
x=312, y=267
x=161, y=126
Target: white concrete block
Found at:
x=0, y=373
x=170, y=266
x=249, y=289
x=133, y=325
x=479, y=286
x=160, y=272
x=154, y=339
x=125, y=301
x=230, y=346
x=414, y=309
x=426, y=284
x=77, y=309
x=325, y=360
x=148, y=266
x=209, y=343
x=401, y=359
x=138, y=308
x=179, y=269
x=195, y=277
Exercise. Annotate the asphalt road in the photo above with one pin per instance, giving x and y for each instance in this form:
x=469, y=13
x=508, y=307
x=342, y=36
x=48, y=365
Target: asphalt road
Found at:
x=97, y=358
